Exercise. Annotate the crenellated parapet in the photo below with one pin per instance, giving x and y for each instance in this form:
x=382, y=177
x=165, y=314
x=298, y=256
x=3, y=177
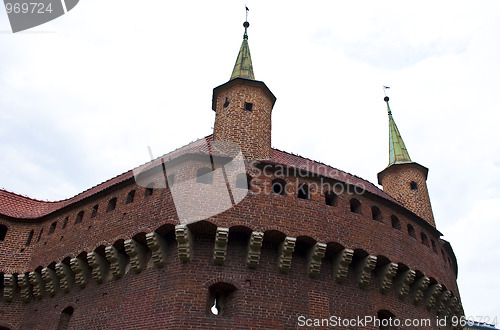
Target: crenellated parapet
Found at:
x=314, y=259
x=341, y=264
x=285, y=252
x=220, y=248
x=254, y=246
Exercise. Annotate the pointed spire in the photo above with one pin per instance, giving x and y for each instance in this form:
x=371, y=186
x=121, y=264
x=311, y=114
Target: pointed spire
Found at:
x=243, y=67
x=397, y=149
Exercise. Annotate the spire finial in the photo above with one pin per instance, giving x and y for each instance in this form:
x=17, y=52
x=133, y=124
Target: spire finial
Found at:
x=398, y=153
x=386, y=99
x=243, y=67
x=246, y=24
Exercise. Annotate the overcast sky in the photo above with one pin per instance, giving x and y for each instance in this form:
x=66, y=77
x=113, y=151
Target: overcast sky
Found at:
x=83, y=96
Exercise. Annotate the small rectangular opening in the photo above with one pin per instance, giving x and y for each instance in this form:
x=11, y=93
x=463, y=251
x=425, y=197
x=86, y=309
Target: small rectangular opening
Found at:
x=248, y=106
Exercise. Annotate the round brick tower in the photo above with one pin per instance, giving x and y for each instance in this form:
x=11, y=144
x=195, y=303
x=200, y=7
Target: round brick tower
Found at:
x=403, y=179
x=243, y=108
x=204, y=238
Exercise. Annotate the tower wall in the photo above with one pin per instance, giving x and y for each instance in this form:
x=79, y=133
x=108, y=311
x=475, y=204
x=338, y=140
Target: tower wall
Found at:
x=251, y=130
x=407, y=183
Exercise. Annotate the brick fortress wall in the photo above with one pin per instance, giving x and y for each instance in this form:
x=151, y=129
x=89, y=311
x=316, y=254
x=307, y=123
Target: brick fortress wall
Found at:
x=271, y=258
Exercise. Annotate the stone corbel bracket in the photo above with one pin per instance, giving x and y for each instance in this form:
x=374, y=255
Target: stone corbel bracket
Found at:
x=137, y=253
x=314, y=259
x=220, y=248
x=431, y=295
x=158, y=247
x=25, y=286
x=117, y=261
x=36, y=280
x=51, y=280
x=385, y=275
x=81, y=270
x=184, y=242
x=254, y=246
x=443, y=300
x=10, y=283
x=65, y=275
x=285, y=252
x=418, y=288
x=364, y=267
x=403, y=281
x=99, y=266
x=341, y=263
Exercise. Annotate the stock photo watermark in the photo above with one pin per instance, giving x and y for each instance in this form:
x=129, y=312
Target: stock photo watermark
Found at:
x=26, y=14
x=208, y=178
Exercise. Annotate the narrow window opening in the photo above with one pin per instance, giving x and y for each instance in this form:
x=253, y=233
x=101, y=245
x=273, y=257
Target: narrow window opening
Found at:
x=111, y=204
x=221, y=299
x=52, y=228
x=376, y=214
x=205, y=175
x=303, y=191
x=248, y=106
x=424, y=238
x=331, y=198
x=40, y=235
x=3, y=232
x=30, y=237
x=386, y=319
x=149, y=189
x=93, y=212
x=279, y=186
x=65, y=223
x=79, y=217
x=434, y=246
x=65, y=318
x=355, y=206
x=442, y=253
x=413, y=185
x=130, y=197
x=411, y=231
x=396, y=224
x=243, y=181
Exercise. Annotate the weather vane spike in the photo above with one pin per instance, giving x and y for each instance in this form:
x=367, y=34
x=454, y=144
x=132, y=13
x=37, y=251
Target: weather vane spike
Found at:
x=246, y=24
x=386, y=99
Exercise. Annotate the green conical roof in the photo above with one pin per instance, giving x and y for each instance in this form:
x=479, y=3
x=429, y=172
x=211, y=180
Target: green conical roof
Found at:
x=243, y=67
x=397, y=149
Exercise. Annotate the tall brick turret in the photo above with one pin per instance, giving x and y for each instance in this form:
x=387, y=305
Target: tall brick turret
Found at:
x=403, y=179
x=243, y=108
